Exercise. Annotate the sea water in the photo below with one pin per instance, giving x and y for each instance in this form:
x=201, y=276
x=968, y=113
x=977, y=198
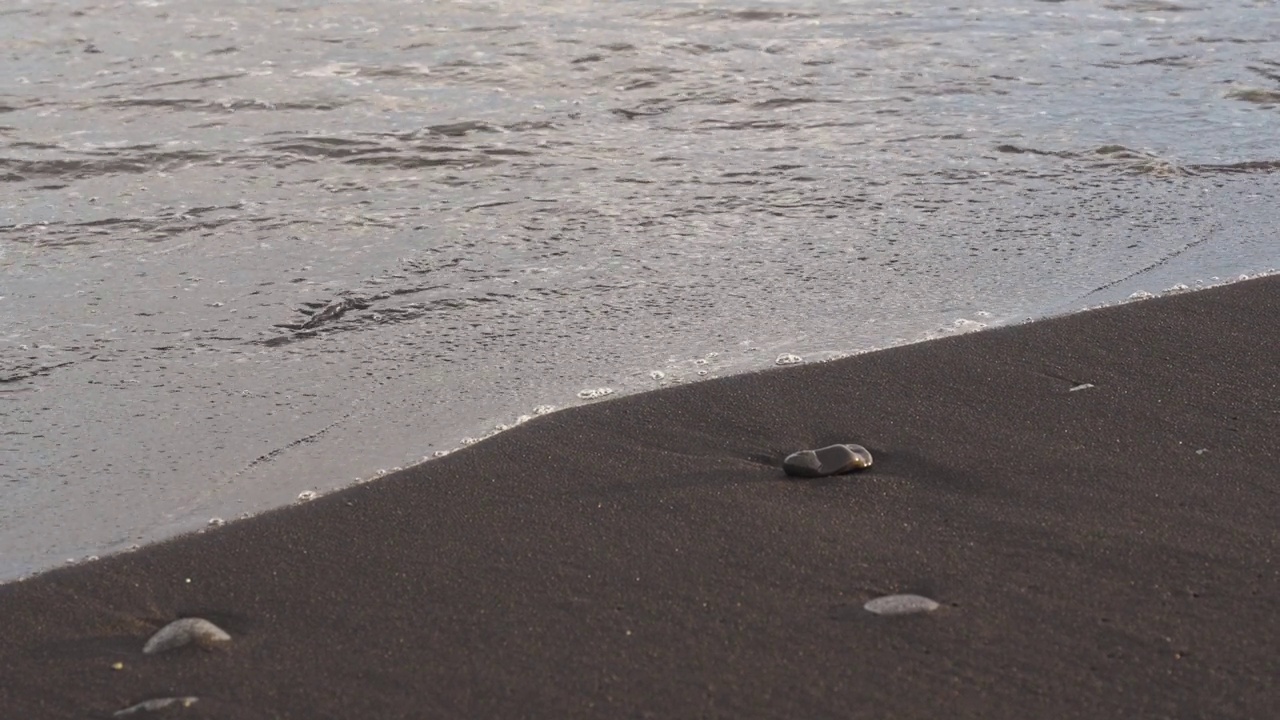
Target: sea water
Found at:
x=255, y=249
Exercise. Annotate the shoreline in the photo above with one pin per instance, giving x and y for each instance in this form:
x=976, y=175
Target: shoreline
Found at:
x=1086, y=496
x=176, y=523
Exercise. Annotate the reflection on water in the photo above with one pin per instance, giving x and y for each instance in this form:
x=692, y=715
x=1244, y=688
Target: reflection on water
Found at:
x=251, y=248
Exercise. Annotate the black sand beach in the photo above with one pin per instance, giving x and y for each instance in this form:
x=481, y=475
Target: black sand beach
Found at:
x=1104, y=552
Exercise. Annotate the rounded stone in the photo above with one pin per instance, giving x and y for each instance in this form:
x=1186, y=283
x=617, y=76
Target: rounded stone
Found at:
x=830, y=460
x=182, y=632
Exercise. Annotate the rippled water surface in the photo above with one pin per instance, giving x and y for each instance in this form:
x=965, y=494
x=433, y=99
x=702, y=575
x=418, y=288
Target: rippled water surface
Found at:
x=255, y=248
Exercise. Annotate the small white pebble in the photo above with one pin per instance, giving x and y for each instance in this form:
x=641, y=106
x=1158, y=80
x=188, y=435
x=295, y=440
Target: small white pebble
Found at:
x=788, y=359
x=216, y=522
x=1081, y=386
x=149, y=706
x=901, y=605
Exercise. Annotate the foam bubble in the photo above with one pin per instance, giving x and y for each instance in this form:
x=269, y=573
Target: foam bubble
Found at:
x=964, y=325
x=788, y=359
x=593, y=393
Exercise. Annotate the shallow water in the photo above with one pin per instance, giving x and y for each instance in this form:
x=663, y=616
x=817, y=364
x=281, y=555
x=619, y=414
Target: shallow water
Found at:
x=251, y=249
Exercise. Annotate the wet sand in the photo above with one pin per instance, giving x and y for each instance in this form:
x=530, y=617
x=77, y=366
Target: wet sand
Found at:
x=1091, y=499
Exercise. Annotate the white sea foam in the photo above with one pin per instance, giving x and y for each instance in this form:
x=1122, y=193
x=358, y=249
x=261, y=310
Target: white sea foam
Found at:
x=964, y=325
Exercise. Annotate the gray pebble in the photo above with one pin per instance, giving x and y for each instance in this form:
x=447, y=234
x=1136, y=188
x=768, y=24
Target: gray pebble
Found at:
x=830, y=460
x=901, y=605
x=181, y=632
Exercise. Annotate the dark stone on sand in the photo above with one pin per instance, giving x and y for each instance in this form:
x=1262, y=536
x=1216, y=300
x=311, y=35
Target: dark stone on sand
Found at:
x=830, y=460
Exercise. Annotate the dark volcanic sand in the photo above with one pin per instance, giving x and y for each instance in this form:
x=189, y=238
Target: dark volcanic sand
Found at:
x=1104, y=552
